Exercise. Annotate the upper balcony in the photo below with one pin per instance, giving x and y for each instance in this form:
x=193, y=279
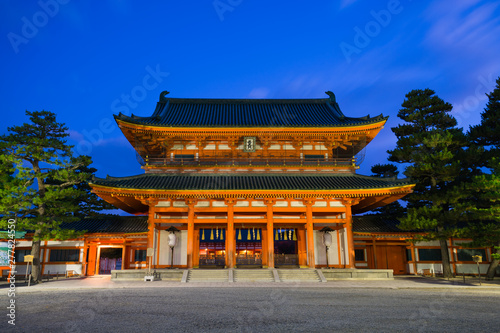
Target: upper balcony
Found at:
x=186, y=160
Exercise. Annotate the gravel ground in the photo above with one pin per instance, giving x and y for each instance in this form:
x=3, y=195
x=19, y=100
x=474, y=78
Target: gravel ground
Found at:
x=294, y=308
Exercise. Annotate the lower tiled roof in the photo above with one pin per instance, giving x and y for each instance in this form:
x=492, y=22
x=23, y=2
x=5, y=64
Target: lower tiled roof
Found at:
x=136, y=224
x=375, y=223
x=110, y=224
x=271, y=181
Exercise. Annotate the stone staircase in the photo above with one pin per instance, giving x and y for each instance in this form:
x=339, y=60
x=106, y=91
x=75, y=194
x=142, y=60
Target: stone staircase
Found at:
x=253, y=275
x=298, y=275
x=208, y=275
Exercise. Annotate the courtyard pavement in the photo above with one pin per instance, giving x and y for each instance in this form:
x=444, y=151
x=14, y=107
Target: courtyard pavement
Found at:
x=404, y=304
x=399, y=282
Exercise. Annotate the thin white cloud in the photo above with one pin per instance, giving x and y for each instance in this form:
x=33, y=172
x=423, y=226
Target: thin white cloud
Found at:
x=260, y=92
x=346, y=3
x=95, y=140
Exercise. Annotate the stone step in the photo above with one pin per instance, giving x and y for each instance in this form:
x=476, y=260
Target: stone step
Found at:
x=216, y=275
x=253, y=275
x=309, y=275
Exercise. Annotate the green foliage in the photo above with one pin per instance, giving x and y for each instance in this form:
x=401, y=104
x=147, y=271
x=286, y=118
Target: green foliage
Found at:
x=487, y=133
x=394, y=209
x=431, y=147
x=496, y=255
x=42, y=183
x=429, y=144
x=384, y=170
x=483, y=207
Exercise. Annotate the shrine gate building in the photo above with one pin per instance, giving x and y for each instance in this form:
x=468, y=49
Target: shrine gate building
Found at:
x=249, y=182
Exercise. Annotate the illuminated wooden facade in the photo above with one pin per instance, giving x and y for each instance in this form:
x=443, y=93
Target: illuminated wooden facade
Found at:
x=250, y=181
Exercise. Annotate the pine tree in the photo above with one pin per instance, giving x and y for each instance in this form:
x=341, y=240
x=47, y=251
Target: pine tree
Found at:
x=40, y=179
x=483, y=208
x=430, y=145
x=487, y=133
x=393, y=210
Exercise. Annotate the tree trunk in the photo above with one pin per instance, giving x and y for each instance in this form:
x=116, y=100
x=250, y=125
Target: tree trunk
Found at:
x=493, y=265
x=447, y=272
x=36, y=272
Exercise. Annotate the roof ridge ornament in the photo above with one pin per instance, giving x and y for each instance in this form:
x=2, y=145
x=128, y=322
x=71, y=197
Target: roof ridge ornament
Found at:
x=332, y=96
x=162, y=96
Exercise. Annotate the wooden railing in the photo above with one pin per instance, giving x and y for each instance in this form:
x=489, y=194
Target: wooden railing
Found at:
x=286, y=259
x=253, y=161
x=244, y=259
x=212, y=260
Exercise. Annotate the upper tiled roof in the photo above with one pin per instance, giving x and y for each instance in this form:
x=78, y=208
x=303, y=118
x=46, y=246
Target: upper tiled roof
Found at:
x=110, y=224
x=192, y=112
x=271, y=181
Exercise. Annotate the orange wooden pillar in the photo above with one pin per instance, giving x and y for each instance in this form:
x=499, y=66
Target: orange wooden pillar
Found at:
x=230, y=239
x=375, y=261
x=310, y=234
x=84, y=259
x=264, y=247
x=413, y=257
x=301, y=242
x=151, y=230
x=270, y=233
x=190, y=236
x=350, y=237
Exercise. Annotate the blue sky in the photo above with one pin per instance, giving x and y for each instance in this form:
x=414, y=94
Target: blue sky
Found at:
x=81, y=59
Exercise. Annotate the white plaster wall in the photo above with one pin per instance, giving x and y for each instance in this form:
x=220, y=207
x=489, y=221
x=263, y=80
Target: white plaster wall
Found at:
x=344, y=247
x=163, y=204
x=65, y=243
x=23, y=243
x=258, y=204
x=180, y=250
x=336, y=204
x=320, y=249
x=334, y=251
x=320, y=204
x=62, y=268
x=436, y=268
x=471, y=268
x=164, y=258
x=429, y=243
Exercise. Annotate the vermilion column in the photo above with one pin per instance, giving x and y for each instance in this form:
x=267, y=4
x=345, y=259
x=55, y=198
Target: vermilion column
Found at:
x=231, y=248
x=270, y=233
x=310, y=233
x=350, y=237
x=190, y=237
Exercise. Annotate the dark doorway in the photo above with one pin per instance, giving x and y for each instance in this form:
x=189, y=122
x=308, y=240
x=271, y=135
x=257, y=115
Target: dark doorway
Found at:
x=110, y=258
x=285, y=248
